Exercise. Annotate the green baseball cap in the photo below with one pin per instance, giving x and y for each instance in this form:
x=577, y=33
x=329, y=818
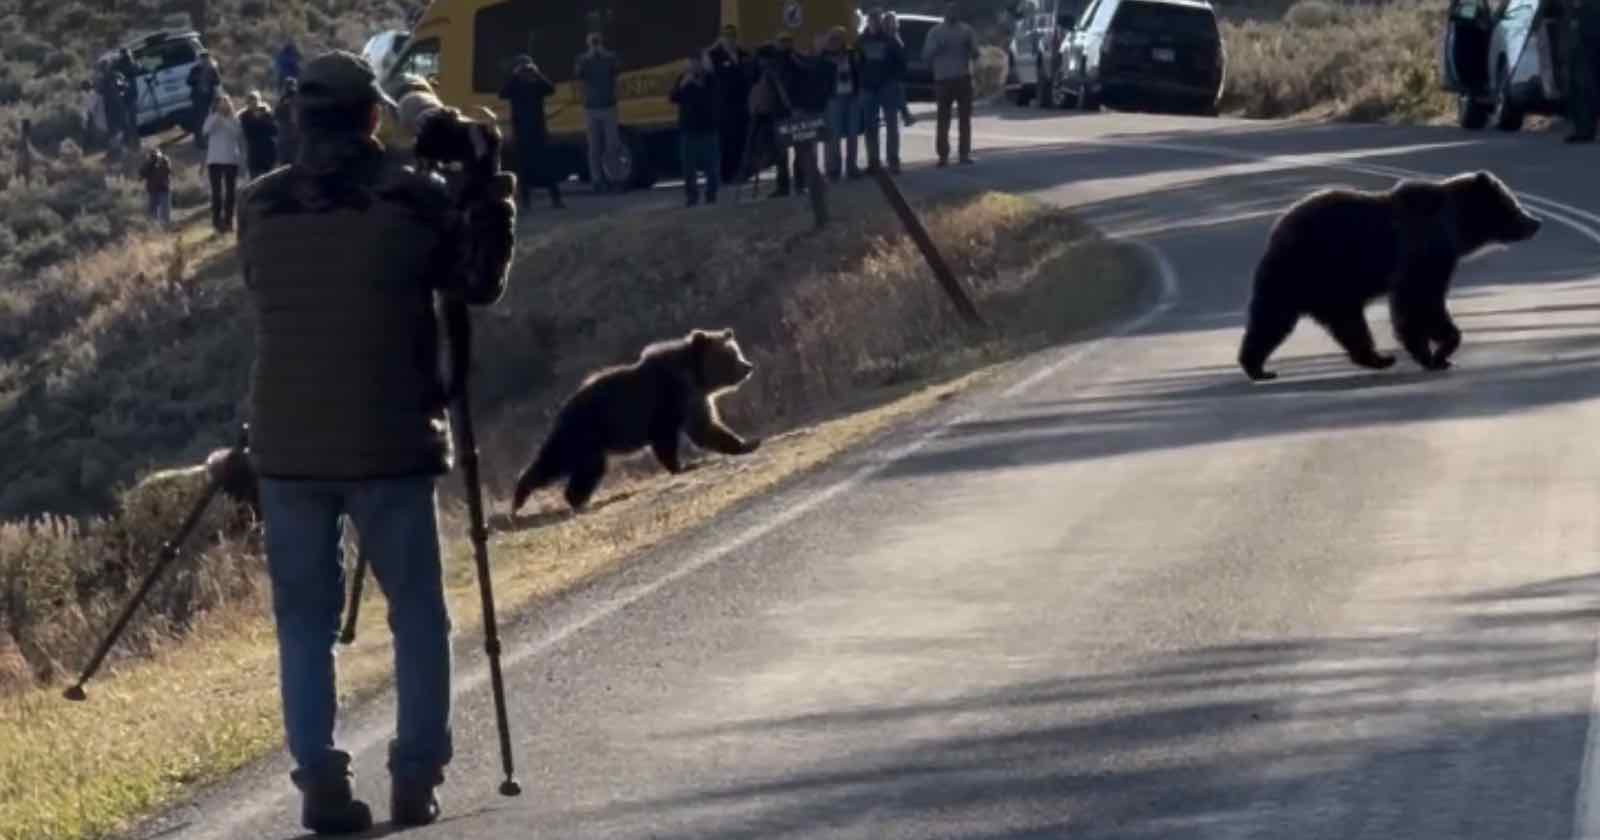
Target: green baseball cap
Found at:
x=340, y=78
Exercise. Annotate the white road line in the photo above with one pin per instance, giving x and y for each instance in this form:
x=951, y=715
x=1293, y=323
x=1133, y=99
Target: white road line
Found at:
x=369, y=737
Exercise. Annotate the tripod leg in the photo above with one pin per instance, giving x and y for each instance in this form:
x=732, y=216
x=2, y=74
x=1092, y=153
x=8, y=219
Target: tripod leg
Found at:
x=459, y=325
x=347, y=636
x=169, y=553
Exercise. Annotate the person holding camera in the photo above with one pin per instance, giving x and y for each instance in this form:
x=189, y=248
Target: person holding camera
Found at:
x=696, y=96
x=342, y=253
x=527, y=90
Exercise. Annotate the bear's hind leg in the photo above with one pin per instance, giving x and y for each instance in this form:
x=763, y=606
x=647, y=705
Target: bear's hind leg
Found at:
x=586, y=475
x=1350, y=330
x=664, y=442
x=1264, y=333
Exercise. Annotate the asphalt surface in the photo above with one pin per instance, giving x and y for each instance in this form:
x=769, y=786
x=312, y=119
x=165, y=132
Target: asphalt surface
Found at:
x=1126, y=593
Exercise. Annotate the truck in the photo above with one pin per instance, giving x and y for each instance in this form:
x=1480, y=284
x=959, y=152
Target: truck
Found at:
x=465, y=48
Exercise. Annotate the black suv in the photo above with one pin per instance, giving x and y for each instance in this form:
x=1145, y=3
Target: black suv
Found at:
x=1142, y=55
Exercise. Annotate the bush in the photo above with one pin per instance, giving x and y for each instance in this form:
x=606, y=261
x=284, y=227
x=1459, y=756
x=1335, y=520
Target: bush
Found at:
x=55, y=124
x=41, y=251
x=33, y=221
x=26, y=48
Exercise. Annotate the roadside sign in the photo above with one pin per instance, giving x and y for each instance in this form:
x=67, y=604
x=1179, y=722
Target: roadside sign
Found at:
x=799, y=130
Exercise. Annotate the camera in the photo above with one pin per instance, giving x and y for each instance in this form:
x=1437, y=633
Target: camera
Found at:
x=445, y=135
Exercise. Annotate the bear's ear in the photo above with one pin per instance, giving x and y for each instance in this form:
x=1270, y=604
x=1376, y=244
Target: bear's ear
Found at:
x=699, y=339
x=727, y=333
x=1484, y=178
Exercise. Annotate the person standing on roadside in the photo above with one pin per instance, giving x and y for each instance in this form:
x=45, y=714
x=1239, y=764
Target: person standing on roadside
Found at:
x=597, y=71
x=1582, y=49
x=224, y=139
x=734, y=71
x=951, y=49
x=891, y=26
x=527, y=90
x=882, y=62
x=260, y=136
x=697, y=98
x=344, y=255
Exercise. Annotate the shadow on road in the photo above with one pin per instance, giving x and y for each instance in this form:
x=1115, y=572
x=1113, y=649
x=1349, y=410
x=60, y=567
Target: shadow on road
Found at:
x=1312, y=725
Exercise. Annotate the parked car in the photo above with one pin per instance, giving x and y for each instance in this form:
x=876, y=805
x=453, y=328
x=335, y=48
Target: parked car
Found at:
x=1035, y=42
x=1142, y=55
x=165, y=57
x=382, y=49
x=1500, y=63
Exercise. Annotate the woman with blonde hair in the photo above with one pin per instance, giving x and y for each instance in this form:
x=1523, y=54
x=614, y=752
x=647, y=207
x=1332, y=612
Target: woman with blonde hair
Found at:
x=224, y=152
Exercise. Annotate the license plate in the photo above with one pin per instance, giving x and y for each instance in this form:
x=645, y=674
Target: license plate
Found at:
x=1163, y=54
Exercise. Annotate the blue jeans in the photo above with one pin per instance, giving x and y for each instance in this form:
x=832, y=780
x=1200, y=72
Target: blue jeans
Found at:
x=700, y=152
x=882, y=103
x=397, y=523
x=843, y=119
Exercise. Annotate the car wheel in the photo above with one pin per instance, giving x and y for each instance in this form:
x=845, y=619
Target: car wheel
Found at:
x=1470, y=113
x=1021, y=95
x=630, y=166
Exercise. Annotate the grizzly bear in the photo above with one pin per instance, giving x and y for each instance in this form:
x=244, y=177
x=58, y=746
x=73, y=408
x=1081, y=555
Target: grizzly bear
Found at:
x=670, y=390
x=1337, y=250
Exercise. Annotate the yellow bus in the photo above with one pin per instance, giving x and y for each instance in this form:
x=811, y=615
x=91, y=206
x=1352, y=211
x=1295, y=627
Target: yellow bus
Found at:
x=466, y=48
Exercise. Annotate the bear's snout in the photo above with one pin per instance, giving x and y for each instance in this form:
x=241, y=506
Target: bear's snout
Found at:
x=1530, y=226
x=746, y=368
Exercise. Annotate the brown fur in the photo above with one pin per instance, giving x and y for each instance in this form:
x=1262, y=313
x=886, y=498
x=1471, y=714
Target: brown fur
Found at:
x=671, y=390
x=1337, y=250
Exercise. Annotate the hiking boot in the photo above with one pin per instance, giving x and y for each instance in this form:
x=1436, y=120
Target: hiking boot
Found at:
x=412, y=802
x=329, y=806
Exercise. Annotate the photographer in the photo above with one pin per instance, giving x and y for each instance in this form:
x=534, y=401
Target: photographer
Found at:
x=527, y=90
x=343, y=252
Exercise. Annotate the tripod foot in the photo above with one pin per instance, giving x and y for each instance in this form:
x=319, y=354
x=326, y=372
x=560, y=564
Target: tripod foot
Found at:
x=75, y=694
x=510, y=787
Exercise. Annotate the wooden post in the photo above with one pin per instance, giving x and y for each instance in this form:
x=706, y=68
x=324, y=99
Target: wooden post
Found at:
x=930, y=252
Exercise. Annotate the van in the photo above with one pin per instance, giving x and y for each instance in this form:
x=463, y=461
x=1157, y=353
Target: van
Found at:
x=165, y=57
x=466, y=48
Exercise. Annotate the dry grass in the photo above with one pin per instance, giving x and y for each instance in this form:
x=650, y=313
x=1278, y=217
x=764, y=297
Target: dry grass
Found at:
x=1360, y=62
x=848, y=318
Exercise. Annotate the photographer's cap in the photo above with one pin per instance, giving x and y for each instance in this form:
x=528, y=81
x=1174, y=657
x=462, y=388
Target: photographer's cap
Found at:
x=340, y=78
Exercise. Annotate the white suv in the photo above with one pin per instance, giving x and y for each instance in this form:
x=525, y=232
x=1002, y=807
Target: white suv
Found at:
x=164, y=58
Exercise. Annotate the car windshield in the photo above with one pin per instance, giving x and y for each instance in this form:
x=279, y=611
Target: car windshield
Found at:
x=913, y=33
x=1164, y=19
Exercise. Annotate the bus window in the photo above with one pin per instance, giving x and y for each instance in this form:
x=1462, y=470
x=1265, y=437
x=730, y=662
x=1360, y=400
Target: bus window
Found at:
x=554, y=35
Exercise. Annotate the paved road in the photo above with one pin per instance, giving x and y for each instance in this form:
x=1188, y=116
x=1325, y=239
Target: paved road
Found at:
x=1127, y=595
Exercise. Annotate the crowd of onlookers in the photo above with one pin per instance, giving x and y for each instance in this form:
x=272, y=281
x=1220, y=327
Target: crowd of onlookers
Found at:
x=254, y=138
x=732, y=103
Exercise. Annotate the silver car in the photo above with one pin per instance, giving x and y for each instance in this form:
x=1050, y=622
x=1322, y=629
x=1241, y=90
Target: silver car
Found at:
x=1502, y=62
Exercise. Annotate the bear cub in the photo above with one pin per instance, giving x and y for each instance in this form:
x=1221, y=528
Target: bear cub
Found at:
x=1337, y=250
x=670, y=390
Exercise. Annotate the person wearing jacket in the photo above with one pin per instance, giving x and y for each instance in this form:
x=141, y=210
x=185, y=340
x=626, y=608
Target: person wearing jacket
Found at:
x=283, y=114
x=343, y=255
x=698, y=101
x=205, y=83
x=951, y=49
x=526, y=90
x=224, y=139
x=882, y=66
x=156, y=172
x=260, y=135
x=734, y=71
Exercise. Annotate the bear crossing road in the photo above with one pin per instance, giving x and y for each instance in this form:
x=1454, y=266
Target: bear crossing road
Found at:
x=1337, y=250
